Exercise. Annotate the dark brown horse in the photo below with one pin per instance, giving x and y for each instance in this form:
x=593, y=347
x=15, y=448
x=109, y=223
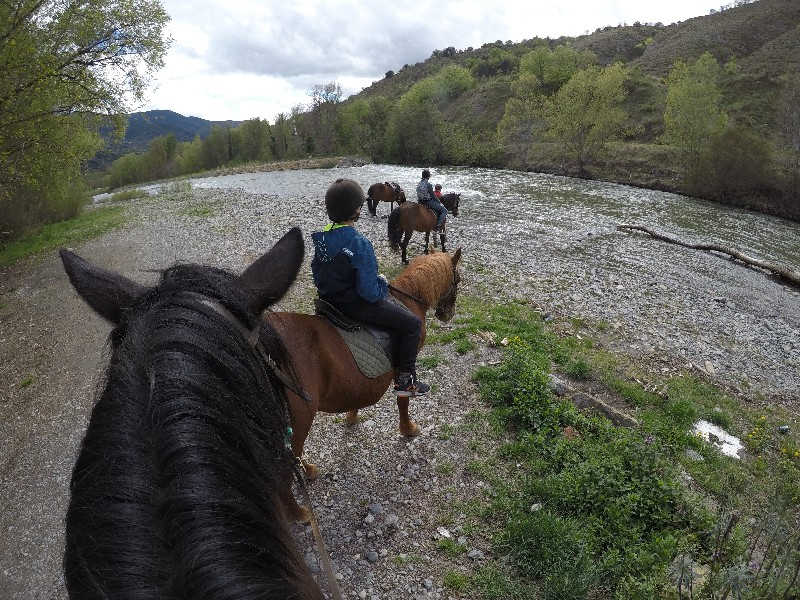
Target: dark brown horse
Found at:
x=182, y=486
x=325, y=367
x=413, y=216
x=386, y=192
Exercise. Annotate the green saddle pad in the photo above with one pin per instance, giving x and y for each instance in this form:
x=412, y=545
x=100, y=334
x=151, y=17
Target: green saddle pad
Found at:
x=367, y=352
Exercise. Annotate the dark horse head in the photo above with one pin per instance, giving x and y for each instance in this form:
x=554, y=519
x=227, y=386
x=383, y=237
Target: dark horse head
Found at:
x=178, y=488
x=451, y=202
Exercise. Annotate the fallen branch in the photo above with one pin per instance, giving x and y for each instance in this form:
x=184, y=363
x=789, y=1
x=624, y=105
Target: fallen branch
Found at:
x=782, y=272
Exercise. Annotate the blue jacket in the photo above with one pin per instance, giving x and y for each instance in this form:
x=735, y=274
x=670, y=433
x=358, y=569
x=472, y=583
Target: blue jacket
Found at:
x=344, y=266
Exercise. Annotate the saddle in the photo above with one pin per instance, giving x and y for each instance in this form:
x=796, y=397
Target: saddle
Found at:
x=395, y=186
x=374, y=350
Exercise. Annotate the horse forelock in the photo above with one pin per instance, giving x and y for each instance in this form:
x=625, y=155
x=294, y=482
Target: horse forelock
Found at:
x=429, y=275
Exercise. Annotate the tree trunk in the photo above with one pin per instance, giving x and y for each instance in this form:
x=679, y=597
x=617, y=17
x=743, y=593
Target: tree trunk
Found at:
x=780, y=271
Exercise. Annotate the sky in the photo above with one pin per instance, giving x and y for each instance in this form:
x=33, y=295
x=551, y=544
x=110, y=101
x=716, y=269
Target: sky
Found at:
x=242, y=59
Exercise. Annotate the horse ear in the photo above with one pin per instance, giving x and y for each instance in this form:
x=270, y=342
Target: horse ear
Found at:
x=456, y=258
x=106, y=292
x=269, y=277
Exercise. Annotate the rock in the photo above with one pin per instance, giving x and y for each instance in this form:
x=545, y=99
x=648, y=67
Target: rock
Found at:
x=475, y=555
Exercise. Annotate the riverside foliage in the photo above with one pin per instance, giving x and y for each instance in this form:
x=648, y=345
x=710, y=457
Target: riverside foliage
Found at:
x=643, y=104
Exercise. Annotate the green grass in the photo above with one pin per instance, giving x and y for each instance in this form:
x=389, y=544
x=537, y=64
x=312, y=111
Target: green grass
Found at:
x=614, y=516
x=90, y=224
x=133, y=194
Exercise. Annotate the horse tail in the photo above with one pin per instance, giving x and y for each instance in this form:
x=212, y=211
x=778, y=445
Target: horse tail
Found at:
x=369, y=199
x=395, y=234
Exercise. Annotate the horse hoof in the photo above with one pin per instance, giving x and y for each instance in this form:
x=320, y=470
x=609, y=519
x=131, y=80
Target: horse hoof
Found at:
x=412, y=430
x=351, y=418
x=311, y=470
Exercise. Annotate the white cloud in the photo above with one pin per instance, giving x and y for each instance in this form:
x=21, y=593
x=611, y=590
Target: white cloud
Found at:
x=241, y=59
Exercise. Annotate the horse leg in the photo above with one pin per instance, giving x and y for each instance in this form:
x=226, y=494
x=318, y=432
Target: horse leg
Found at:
x=351, y=418
x=407, y=426
x=404, y=245
x=443, y=237
x=427, y=240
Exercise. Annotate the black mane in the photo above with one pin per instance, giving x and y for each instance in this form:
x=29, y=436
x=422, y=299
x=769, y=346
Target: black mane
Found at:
x=175, y=491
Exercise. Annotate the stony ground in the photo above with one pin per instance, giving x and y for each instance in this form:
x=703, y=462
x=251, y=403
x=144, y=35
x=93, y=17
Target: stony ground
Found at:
x=383, y=501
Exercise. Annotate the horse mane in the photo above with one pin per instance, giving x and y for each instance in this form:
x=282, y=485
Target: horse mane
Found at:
x=174, y=492
x=428, y=275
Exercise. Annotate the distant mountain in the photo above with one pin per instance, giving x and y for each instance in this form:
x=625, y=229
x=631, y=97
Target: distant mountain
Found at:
x=145, y=126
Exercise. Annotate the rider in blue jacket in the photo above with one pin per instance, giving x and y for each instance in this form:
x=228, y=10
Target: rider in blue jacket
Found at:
x=427, y=197
x=346, y=274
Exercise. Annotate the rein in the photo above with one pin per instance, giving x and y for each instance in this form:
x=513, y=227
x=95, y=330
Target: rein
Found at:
x=407, y=295
x=253, y=338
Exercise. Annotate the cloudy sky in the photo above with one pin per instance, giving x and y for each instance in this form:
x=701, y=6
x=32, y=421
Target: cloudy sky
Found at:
x=240, y=59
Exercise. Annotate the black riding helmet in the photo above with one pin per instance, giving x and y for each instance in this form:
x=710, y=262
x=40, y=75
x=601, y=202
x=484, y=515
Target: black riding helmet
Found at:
x=343, y=199
x=426, y=174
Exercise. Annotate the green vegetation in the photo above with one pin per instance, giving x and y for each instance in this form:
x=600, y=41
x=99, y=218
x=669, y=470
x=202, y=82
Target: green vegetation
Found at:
x=579, y=508
x=46, y=238
x=66, y=71
x=707, y=107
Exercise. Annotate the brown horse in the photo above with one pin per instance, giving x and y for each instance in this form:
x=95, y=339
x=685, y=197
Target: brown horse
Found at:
x=412, y=216
x=325, y=368
x=388, y=192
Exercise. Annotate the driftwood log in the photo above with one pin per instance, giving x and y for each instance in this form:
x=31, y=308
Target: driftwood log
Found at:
x=778, y=270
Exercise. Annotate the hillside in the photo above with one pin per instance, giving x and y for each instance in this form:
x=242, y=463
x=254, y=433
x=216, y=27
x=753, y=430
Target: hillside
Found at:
x=762, y=38
x=145, y=126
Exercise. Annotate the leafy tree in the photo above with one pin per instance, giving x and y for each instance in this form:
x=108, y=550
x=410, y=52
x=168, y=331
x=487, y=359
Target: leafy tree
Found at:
x=693, y=117
x=586, y=114
x=414, y=130
x=324, y=100
x=547, y=70
x=738, y=164
x=63, y=63
x=254, y=141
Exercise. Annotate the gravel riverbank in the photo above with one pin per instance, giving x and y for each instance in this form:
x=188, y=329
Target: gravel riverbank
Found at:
x=383, y=501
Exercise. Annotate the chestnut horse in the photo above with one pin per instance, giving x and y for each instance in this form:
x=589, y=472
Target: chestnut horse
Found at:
x=327, y=373
x=182, y=486
x=387, y=192
x=413, y=216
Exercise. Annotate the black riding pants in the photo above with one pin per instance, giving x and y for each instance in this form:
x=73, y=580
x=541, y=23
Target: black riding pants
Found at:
x=387, y=313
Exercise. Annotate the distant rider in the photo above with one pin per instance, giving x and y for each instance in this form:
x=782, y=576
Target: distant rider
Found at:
x=427, y=197
x=437, y=190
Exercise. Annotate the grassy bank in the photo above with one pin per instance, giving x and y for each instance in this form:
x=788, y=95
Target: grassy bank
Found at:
x=92, y=223
x=579, y=508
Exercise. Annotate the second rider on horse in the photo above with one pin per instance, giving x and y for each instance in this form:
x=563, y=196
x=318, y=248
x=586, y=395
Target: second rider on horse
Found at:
x=346, y=274
x=427, y=197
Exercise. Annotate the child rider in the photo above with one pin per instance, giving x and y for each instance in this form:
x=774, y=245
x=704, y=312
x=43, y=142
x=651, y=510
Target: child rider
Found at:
x=345, y=272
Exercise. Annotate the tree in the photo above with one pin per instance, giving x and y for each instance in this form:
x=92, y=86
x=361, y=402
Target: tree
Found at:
x=549, y=69
x=693, y=117
x=585, y=114
x=63, y=63
x=324, y=100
